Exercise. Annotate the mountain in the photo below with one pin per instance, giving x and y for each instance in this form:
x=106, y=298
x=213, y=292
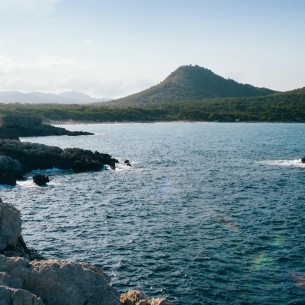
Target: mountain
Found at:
x=47, y=98
x=189, y=83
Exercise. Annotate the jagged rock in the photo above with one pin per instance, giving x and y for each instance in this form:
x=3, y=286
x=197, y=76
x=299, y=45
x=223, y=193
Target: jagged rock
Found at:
x=136, y=297
x=38, y=156
x=41, y=179
x=133, y=297
x=13, y=296
x=58, y=282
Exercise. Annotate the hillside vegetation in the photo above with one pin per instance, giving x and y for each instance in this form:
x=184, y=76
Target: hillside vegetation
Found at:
x=190, y=103
x=192, y=83
x=289, y=106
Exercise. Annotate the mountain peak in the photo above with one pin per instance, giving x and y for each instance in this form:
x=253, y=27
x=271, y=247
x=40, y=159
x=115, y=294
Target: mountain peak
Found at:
x=188, y=83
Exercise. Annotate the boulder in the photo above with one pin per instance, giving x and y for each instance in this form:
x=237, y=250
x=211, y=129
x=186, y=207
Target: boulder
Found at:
x=10, y=169
x=127, y=162
x=136, y=297
x=41, y=179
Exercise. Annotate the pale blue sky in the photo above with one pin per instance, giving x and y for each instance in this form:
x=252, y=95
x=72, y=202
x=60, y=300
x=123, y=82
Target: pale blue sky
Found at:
x=117, y=47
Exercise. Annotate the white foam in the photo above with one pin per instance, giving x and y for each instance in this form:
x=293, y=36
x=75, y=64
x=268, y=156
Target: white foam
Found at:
x=53, y=170
x=285, y=163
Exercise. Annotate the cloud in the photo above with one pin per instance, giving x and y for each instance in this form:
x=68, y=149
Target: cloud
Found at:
x=65, y=74
x=38, y=7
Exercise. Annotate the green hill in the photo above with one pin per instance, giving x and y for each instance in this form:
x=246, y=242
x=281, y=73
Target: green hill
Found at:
x=192, y=83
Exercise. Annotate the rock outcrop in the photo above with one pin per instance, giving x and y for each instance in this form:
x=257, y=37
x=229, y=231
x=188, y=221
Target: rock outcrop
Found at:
x=13, y=127
x=10, y=169
x=136, y=297
x=32, y=156
x=58, y=282
x=11, y=240
x=30, y=280
x=41, y=179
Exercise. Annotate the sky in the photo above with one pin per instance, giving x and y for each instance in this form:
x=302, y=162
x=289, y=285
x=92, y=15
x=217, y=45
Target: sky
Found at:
x=112, y=48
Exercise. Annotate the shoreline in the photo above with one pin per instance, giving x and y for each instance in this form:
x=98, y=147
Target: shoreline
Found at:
x=67, y=123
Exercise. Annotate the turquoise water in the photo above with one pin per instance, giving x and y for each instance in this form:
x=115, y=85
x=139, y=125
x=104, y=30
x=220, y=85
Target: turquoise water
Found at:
x=209, y=213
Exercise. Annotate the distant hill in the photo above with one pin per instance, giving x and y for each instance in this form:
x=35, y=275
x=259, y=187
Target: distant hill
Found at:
x=278, y=107
x=47, y=98
x=189, y=83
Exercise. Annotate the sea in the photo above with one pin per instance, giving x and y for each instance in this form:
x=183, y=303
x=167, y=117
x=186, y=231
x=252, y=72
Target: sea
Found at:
x=207, y=213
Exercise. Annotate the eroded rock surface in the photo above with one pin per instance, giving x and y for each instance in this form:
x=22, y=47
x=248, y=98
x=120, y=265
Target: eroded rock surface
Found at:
x=58, y=282
x=136, y=297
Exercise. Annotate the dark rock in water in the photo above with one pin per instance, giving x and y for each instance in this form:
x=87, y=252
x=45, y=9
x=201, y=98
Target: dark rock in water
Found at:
x=303, y=159
x=34, y=156
x=13, y=127
x=127, y=162
x=9, y=170
x=40, y=179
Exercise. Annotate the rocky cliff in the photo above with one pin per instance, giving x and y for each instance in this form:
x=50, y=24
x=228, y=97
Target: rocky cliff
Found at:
x=30, y=280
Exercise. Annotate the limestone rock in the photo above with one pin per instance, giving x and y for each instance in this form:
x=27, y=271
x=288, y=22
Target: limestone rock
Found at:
x=133, y=297
x=10, y=225
x=58, y=282
x=136, y=297
x=14, y=296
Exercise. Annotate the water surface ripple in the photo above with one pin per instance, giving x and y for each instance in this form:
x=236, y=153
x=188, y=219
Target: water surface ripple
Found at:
x=209, y=213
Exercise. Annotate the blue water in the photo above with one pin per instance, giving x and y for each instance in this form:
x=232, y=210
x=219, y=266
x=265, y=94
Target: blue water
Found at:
x=209, y=213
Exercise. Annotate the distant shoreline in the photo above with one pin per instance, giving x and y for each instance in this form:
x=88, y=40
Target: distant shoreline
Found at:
x=59, y=123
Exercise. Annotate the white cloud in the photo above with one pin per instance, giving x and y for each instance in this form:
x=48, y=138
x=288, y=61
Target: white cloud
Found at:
x=38, y=7
x=65, y=74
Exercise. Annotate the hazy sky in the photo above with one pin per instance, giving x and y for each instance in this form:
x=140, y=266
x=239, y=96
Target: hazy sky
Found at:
x=111, y=48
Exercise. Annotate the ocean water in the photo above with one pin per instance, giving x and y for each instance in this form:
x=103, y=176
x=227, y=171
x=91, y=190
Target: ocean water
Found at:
x=209, y=213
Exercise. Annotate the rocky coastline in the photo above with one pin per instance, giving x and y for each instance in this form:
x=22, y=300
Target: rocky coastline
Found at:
x=14, y=127
x=27, y=278
x=17, y=158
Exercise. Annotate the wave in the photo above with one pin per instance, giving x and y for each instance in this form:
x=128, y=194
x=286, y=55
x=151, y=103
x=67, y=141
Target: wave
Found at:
x=53, y=170
x=286, y=163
